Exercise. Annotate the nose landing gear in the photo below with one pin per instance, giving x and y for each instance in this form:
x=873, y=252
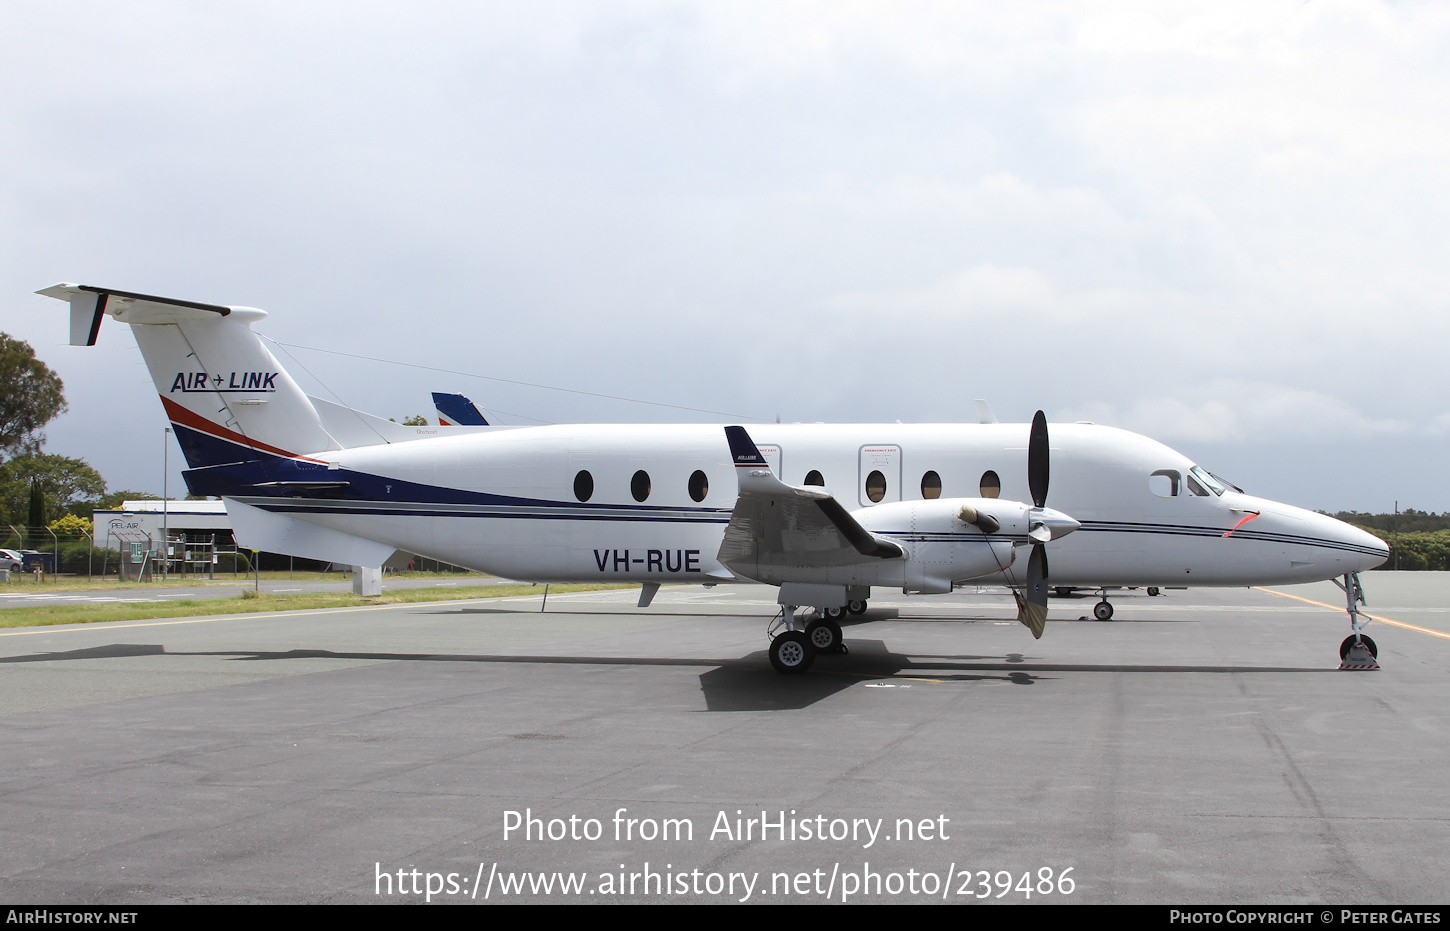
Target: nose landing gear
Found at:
x=1357, y=652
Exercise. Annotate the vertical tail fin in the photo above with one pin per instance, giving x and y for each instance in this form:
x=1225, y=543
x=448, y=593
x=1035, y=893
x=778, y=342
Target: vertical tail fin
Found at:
x=226, y=395
x=454, y=410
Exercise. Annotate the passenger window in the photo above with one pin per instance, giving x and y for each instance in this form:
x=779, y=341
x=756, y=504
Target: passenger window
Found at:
x=699, y=485
x=931, y=485
x=583, y=485
x=814, y=478
x=1164, y=483
x=875, y=486
x=991, y=485
x=639, y=485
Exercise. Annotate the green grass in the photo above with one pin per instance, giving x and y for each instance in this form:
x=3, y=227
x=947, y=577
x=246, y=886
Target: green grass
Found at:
x=250, y=603
x=21, y=583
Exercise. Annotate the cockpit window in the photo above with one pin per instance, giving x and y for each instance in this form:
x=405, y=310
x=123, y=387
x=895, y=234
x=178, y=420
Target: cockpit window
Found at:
x=1194, y=487
x=1164, y=483
x=1209, y=479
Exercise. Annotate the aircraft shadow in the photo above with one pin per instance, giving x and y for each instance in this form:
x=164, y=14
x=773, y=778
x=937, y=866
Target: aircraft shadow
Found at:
x=746, y=683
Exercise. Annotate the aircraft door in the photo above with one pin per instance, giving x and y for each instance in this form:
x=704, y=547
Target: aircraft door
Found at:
x=879, y=474
x=772, y=454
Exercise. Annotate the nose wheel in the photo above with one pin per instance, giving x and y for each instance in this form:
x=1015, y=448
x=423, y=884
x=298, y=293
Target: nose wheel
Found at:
x=1103, y=610
x=1348, y=645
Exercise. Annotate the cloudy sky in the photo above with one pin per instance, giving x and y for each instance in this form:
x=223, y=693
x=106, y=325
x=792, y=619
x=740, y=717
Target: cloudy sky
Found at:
x=1223, y=225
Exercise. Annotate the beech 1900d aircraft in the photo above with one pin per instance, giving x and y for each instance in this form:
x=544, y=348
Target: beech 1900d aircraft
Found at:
x=824, y=512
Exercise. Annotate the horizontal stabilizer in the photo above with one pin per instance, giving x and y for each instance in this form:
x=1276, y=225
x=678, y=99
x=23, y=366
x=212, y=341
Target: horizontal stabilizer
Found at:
x=270, y=532
x=89, y=304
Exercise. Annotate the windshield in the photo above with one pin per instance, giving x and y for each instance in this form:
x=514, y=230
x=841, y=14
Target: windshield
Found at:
x=1209, y=479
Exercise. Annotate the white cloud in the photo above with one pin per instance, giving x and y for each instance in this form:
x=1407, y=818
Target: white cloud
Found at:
x=1158, y=214
x=1243, y=413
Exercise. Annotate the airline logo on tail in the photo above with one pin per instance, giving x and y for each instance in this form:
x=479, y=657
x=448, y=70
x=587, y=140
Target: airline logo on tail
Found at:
x=195, y=382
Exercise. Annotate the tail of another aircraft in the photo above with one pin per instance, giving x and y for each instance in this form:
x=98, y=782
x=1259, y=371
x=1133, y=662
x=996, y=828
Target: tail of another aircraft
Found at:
x=226, y=395
x=454, y=410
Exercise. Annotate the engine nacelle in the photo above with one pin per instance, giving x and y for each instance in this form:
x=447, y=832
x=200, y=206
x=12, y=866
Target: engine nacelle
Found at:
x=945, y=539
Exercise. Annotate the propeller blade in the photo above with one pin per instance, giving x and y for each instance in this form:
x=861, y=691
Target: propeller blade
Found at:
x=1037, y=460
x=1032, y=602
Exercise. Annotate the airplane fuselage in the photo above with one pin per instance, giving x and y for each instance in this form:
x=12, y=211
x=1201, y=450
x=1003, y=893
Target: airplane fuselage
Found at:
x=650, y=503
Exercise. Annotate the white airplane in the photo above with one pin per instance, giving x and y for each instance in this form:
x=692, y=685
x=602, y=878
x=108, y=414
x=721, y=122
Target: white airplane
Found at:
x=824, y=512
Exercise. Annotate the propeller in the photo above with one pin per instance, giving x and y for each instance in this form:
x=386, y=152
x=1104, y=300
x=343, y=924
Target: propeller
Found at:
x=1043, y=526
x=1032, y=600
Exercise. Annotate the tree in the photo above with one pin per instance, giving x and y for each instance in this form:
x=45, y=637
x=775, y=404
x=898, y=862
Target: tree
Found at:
x=112, y=500
x=37, y=505
x=31, y=396
x=64, y=483
x=71, y=526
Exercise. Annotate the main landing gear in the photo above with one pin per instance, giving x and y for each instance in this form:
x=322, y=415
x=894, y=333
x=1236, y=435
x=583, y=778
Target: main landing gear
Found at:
x=793, y=649
x=825, y=635
x=1357, y=652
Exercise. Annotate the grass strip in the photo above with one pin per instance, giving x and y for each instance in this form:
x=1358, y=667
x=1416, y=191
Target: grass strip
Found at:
x=250, y=603
x=24, y=585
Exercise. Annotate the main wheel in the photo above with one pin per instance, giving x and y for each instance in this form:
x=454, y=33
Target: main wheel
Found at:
x=857, y=607
x=824, y=635
x=791, y=652
x=834, y=614
x=1103, y=611
x=1368, y=645
x=1153, y=591
x=1062, y=591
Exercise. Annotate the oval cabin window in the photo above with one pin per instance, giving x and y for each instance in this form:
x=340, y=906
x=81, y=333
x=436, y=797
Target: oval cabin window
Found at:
x=583, y=485
x=931, y=485
x=875, y=486
x=991, y=485
x=814, y=478
x=699, y=485
x=639, y=485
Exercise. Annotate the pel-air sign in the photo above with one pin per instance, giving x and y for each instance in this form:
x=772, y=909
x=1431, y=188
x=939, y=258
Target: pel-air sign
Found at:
x=197, y=382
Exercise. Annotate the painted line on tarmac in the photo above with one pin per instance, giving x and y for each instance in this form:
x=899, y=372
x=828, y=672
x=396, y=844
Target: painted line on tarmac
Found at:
x=1374, y=617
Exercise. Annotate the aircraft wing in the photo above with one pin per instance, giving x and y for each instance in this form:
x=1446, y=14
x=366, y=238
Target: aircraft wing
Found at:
x=775, y=525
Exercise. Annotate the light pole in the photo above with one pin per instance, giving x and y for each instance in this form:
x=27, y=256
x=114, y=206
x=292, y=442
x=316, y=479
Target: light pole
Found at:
x=165, y=536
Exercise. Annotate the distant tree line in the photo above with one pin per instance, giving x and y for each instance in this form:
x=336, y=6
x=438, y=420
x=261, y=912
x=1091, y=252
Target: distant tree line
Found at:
x=1419, y=540
x=42, y=494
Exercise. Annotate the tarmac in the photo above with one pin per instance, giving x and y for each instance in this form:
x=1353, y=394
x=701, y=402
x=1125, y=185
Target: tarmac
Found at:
x=1202, y=747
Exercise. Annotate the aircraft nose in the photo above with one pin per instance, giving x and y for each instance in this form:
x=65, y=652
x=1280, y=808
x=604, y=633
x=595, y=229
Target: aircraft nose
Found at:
x=1376, y=551
x=1357, y=550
